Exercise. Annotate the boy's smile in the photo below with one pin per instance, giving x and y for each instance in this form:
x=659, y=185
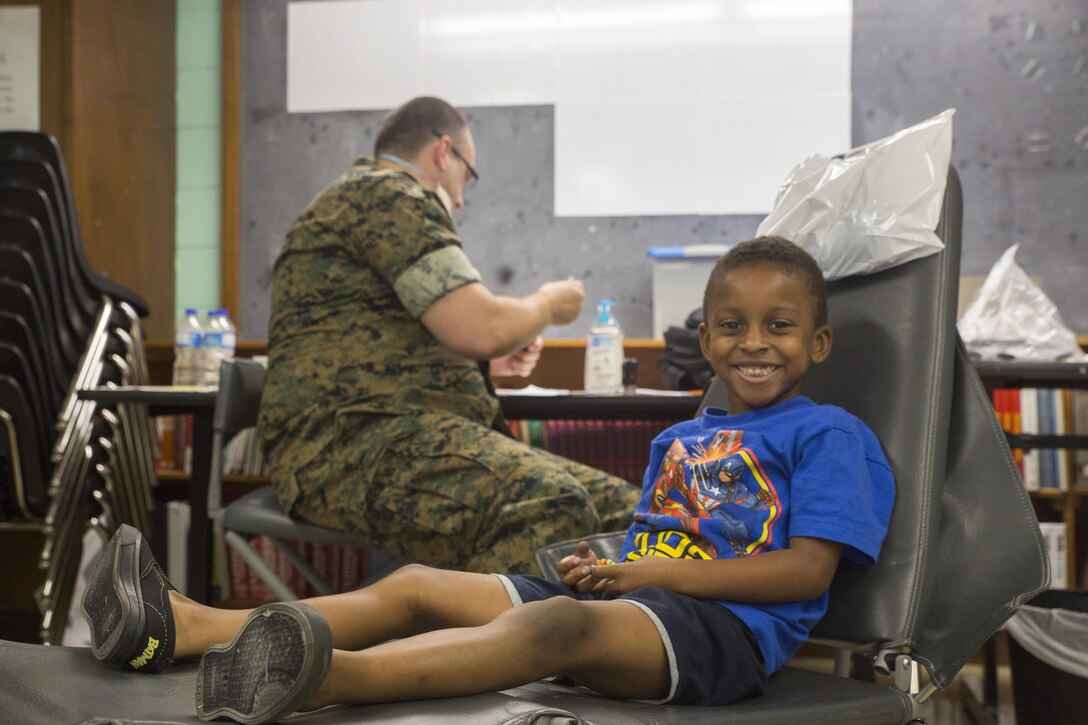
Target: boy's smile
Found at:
x=760, y=335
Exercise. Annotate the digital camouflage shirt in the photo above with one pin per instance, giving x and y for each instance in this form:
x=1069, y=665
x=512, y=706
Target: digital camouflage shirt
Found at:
x=357, y=269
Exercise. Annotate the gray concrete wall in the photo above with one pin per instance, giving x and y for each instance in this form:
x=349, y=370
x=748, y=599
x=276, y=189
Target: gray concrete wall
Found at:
x=1015, y=70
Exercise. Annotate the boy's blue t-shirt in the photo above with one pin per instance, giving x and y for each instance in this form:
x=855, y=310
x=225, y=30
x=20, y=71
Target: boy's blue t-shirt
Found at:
x=723, y=486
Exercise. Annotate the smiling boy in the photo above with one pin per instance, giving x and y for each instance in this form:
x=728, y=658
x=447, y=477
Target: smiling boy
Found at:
x=744, y=517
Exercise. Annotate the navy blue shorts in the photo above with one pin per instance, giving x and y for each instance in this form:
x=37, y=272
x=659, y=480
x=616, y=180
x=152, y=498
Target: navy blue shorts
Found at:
x=714, y=658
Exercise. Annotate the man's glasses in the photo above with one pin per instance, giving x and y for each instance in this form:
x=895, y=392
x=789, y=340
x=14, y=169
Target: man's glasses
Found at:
x=473, y=176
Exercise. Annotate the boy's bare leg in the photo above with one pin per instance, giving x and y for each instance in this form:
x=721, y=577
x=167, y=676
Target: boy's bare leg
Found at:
x=612, y=647
x=411, y=600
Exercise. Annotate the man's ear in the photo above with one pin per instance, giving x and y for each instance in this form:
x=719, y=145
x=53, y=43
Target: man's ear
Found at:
x=440, y=152
x=821, y=344
x=704, y=340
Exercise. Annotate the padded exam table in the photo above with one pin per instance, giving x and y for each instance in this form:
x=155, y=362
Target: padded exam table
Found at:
x=43, y=684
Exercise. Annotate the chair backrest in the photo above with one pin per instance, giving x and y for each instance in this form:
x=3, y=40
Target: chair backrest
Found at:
x=28, y=475
x=241, y=383
x=895, y=364
x=42, y=148
x=24, y=232
x=963, y=547
x=891, y=365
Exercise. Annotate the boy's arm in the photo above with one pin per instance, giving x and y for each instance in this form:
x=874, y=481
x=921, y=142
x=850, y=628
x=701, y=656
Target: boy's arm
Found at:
x=802, y=571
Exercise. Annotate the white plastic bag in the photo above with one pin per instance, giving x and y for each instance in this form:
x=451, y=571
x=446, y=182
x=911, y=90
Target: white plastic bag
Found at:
x=871, y=208
x=1010, y=318
x=1058, y=637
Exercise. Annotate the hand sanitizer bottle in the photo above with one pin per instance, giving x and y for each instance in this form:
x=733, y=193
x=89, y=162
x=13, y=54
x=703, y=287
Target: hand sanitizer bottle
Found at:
x=604, y=353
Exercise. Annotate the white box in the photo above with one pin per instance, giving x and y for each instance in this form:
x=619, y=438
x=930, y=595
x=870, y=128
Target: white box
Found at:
x=679, y=279
x=178, y=515
x=1057, y=547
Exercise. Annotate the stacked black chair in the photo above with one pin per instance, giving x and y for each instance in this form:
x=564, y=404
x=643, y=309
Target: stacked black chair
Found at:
x=65, y=464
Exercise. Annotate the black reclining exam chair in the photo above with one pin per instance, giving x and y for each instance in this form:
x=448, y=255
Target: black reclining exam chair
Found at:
x=963, y=550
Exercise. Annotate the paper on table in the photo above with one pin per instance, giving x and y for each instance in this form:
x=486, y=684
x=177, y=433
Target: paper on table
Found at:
x=533, y=390
x=536, y=390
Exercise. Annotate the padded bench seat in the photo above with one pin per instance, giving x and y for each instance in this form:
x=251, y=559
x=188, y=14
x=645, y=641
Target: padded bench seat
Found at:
x=68, y=685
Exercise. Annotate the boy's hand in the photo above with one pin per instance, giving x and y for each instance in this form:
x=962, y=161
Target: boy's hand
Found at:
x=574, y=568
x=631, y=575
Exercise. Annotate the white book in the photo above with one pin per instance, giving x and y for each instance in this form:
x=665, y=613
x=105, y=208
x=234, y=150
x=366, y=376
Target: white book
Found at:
x=1029, y=424
x=1063, y=457
x=177, y=538
x=1054, y=536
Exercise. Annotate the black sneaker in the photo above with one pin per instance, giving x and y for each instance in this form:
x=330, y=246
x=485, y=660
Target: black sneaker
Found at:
x=271, y=668
x=127, y=607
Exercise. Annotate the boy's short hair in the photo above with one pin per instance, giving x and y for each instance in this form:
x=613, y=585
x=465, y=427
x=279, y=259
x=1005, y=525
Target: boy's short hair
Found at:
x=411, y=126
x=781, y=254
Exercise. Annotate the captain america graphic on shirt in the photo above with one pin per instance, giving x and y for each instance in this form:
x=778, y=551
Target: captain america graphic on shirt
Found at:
x=724, y=486
x=716, y=491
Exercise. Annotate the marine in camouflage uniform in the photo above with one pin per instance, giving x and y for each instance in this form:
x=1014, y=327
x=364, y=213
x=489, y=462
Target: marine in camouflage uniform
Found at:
x=371, y=426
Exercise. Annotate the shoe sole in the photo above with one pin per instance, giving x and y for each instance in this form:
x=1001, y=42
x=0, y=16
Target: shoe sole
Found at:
x=288, y=637
x=115, y=583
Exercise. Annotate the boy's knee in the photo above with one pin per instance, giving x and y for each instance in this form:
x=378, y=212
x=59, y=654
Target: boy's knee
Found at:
x=417, y=577
x=556, y=621
x=412, y=578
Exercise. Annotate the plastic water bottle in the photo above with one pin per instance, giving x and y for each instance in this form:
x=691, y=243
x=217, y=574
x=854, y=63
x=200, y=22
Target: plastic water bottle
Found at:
x=187, y=342
x=219, y=342
x=604, y=353
x=228, y=342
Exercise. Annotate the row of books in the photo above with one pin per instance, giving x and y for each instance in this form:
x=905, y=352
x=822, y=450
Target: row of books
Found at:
x=241, y=457
x=1046, y=411
x=619, y=447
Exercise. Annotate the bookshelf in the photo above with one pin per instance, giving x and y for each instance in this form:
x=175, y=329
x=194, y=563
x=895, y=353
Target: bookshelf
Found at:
x=1066, y=504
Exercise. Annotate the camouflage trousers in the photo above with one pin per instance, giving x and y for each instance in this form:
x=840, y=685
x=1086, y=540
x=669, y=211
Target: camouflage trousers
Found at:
x=444, y=491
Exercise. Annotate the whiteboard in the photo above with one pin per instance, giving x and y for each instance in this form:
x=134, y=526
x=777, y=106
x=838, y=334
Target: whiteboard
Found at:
x=662, y=107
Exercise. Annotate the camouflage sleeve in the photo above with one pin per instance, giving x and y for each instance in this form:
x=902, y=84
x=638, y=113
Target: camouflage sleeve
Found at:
x=410, y=241
x=432, y=276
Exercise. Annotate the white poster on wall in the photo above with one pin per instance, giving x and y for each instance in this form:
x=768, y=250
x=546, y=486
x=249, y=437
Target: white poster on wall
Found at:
x=662, y=107
x=20, y=83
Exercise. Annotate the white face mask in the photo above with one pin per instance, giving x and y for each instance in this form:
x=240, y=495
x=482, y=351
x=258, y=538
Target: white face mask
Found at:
x=444, y=197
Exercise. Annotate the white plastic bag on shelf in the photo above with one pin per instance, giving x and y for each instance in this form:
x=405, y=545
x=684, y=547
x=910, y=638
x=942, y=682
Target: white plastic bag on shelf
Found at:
x=870, y=208
x=1058, y=637
x=1010, y=318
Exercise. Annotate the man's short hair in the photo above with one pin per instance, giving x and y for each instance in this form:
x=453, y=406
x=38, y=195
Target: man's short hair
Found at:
x=783, y=255
x=411, y=126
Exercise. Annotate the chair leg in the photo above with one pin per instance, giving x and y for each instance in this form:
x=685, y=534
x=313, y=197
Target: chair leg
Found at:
x=259, y=566
x=304, y=567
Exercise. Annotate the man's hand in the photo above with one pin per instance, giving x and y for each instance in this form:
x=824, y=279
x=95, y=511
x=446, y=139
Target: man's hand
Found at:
x=565, y=299
x=519, y=363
